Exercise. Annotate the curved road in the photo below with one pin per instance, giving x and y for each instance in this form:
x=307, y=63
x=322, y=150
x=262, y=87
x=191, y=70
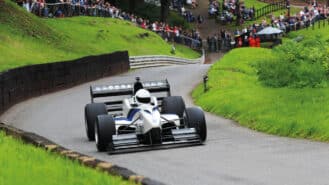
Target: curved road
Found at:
x=232, y=154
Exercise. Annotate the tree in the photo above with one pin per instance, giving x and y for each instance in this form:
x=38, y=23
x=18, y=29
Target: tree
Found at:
x=164, y=10
x=113, y=2
x=132, y=5
x=238, y=13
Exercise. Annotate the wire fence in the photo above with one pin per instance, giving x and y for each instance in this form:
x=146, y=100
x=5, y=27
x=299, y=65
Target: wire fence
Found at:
x=272, y=7
x=323, y=23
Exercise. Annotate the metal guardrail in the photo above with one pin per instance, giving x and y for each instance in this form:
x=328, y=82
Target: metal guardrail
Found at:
x=162, y=60
x=272, y=7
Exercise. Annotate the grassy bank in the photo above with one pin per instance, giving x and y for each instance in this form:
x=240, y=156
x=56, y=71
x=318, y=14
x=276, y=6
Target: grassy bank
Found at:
x=26, y=39
x=236, y=93
x=22, y=164
x=309, y=33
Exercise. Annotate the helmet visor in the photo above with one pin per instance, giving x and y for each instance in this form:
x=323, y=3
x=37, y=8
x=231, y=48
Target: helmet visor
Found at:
x=144, y=99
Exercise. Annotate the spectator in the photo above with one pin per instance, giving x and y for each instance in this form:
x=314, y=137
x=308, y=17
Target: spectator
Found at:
x=257, y=42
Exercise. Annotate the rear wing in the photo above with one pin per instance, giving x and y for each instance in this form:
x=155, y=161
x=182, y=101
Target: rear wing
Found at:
x=160, y=89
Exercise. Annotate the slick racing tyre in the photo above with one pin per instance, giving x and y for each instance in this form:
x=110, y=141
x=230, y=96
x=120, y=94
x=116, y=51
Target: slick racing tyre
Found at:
x=173, y=105
x=92, y=110
x=104, y=130
x=195, y=118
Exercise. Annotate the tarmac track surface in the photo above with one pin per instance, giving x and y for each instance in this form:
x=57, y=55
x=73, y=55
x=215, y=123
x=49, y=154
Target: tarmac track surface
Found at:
x=232, y=154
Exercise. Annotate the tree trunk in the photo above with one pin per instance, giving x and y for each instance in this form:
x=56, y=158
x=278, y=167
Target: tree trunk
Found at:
x=132, y=5
x=164, y=10
x=238, y=13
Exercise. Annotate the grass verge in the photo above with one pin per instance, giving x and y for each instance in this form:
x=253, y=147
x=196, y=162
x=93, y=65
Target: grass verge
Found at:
x=236, y=93
x=23, y=164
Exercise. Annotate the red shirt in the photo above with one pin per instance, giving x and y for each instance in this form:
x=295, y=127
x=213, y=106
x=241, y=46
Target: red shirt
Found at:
x=257, y=42
x=143, y=25
x=252, y=42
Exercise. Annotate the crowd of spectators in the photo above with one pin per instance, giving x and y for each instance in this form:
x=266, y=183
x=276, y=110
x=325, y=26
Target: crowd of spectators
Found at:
x=213, y=9
x=305, y=18
x=188, y=15
x=101, y=8
x=248, y=37
x=229, y=11
x=179, y=5
x=226, y=40
x=192, y=3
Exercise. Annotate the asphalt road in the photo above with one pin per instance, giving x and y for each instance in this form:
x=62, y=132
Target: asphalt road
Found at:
x=232, y=154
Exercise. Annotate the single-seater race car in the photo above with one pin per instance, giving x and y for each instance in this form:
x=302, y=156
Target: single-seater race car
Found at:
x=125, y=116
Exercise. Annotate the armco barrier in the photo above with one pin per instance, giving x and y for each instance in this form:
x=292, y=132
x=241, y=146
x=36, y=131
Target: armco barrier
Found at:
x=24, y=82
x=162, y=60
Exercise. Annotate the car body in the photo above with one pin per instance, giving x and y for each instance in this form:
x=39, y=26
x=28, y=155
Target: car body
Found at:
x=116, y=120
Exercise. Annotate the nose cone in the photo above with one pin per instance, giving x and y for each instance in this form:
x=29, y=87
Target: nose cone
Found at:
x=156, y=118
x=151, y=119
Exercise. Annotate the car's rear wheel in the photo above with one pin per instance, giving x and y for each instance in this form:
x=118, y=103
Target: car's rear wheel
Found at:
x=92, y=110
x=104, y=130
x=195, y=118
x=173, y=105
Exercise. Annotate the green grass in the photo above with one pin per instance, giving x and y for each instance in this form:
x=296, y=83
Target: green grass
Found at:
x=26, y=39
x=23, y=164
x=254, y=3
x=236, y=93
x=309, y=33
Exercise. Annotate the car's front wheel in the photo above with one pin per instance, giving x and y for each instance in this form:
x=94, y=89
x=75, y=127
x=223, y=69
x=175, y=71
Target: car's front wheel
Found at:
x=173, y=105
x=195, y=118
x=92, y=110
x=104, y=130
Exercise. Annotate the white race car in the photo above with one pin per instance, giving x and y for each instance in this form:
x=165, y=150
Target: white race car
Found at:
x=141, y=119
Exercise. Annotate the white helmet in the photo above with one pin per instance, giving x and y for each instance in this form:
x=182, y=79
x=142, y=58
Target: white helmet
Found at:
x=143, y=96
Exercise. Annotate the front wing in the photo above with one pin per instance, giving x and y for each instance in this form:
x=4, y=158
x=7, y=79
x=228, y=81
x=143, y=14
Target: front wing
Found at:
x=130, y=142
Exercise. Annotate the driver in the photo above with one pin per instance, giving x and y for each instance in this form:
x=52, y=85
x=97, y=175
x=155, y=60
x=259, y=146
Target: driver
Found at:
x=143, y=96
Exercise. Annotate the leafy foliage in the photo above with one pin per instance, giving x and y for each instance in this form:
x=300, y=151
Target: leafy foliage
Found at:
x=304, y=64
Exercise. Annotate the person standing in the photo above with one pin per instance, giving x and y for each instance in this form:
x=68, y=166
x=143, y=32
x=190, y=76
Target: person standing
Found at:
x=257, y=42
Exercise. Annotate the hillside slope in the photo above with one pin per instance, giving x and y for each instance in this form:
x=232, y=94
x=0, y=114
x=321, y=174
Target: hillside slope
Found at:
x=26, y=39
x=285, y=110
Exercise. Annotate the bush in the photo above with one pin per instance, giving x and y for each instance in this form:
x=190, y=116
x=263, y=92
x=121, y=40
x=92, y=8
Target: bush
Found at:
x=304, y=64
x=175, y=19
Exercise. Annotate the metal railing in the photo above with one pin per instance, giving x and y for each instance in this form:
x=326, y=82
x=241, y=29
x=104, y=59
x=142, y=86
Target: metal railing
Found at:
x=272, y=7
x=162, y=60
x=318, y=24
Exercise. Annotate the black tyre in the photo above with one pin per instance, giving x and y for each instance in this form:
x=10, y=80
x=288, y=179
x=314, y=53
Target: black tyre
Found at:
x=104, y=130
x=195, y=118
x=173, y=105
x=92, y=110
